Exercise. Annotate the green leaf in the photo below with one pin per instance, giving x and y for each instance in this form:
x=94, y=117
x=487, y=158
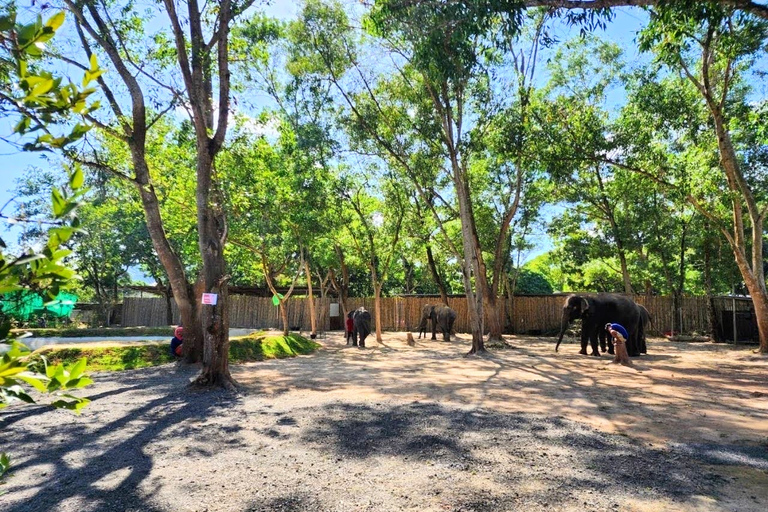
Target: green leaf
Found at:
x=77, y=369
x=15, y=393
x=58, y=202
x=5, y=463
x=34, y=380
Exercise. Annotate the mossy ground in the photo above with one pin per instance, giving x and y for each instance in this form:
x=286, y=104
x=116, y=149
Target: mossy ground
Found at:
x=254, y=347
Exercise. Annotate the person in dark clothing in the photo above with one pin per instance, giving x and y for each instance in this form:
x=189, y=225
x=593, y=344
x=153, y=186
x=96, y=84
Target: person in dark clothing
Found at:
x=350, y=327
x=177, y=341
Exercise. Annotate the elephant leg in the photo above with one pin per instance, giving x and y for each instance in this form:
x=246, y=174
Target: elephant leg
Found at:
x=610, y=346
x=593, y=342
x=603, y=340
x=434, y=330
x=632, y=344
x=354, y=338
x=584, y=340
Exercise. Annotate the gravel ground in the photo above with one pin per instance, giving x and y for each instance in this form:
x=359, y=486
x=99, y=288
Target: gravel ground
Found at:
x=146, y=443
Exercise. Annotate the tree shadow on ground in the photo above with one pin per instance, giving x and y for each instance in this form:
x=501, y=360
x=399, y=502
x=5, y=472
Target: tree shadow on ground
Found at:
x=82, y=454
x=565, y=457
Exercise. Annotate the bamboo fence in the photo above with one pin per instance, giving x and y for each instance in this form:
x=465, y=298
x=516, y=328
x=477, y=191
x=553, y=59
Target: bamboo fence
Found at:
x=524, y=314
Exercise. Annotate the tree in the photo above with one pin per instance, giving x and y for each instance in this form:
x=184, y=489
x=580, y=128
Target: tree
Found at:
x=276, y=198
x=419, y=121
x=713, y=48
x=375, y=226
x=196, y=47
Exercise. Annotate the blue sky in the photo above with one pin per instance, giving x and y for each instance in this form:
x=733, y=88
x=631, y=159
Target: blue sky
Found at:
x=622, y=31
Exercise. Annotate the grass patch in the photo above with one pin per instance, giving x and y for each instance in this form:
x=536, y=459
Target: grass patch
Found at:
x=74, y=332
x=260, y=346
x=255, y=347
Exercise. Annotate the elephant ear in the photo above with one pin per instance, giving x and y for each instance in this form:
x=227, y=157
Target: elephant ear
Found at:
x=584, y=305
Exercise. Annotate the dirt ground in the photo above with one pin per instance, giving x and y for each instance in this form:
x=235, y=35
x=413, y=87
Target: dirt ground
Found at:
x=393, y=427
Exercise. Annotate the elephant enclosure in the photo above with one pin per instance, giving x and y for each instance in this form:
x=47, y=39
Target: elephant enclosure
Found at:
x=394, y=427
x=534, y=314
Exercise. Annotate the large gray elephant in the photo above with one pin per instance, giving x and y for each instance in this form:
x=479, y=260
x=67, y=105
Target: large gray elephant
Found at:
x=597, y=310
x=441, y=316
x=361, y=322
x=645, y=319
x=445, y=317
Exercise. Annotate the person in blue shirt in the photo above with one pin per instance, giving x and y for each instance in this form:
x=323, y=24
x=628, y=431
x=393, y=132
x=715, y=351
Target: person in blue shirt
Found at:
x=619, y=329
x=177, y=341
x=620, y=337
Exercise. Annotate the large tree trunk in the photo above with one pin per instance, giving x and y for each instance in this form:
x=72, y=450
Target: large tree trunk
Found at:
x=753, y=275
x=214, y=320
x=377, y=309
x=494, y=315
x=759, y=296
x=472, y=264
x=311, y=297
x=436, y=275
x=183, y=292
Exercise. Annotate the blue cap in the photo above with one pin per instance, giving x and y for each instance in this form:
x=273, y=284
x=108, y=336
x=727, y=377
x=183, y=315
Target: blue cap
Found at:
x=621, y=330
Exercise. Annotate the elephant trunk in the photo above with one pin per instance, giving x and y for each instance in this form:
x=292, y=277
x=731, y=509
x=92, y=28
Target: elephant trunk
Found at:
x=563, y=326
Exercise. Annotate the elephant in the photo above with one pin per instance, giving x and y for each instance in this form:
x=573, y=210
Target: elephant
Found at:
x=645, y=319
x=361, y=320
x=427, y=314
x=445, y=317
x=597, y=310
x=441, y=316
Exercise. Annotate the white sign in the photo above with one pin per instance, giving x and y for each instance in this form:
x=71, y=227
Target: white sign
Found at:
x=334, y=309
x=210, y=299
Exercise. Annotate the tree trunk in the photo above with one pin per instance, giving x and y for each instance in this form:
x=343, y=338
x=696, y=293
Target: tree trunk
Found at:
x=759, y=299
x=714, y=327
x=624, y=269
x=312, y=313
x=214, y=320
x=377, y=309
x=168, y=308
x=284, y=317
x=183, y=293
x=436, y=275
x=753, y=275
x=343, y=286
x=509, y=289
x=494, y=316
x=471, y=265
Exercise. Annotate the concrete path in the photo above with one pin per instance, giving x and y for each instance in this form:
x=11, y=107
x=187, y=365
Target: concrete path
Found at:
x=35, y=343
